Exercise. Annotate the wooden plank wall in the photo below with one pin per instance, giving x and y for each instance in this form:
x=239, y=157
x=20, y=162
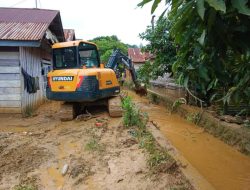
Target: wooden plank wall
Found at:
x=10, y=85
x=30, y=60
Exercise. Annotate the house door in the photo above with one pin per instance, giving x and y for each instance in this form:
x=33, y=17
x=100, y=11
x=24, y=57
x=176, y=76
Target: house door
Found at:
x=46, y=67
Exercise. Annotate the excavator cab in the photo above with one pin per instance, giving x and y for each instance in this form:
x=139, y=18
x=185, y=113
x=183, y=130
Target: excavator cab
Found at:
x=71, y=57
x=77, y=75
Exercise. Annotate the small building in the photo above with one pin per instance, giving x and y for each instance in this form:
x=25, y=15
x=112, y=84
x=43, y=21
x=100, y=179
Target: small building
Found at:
x=138, y=58
x=26, y=36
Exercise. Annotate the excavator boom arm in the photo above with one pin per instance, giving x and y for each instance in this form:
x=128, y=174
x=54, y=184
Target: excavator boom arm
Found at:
x=117, y=58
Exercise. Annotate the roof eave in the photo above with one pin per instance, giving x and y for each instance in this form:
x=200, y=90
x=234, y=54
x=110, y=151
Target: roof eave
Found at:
x=22, y=43
x=57, y=24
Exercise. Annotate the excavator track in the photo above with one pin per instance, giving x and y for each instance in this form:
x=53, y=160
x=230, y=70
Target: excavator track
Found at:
x=115, y=106
x=69, y=111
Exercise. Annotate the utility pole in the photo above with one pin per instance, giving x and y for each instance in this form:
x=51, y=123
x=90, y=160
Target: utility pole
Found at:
x=36, y=3
x=153, y=22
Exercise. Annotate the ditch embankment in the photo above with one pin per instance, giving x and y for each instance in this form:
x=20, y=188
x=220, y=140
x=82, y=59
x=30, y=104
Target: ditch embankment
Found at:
x=221, y=165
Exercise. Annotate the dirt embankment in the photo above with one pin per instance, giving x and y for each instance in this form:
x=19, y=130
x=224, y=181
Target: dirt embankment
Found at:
x=42, y=152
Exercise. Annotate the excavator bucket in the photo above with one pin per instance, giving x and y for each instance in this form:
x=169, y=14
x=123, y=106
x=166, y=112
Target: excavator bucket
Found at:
x=142, y=91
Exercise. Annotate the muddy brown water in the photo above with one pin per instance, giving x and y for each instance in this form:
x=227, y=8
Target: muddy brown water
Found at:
x=221, y=165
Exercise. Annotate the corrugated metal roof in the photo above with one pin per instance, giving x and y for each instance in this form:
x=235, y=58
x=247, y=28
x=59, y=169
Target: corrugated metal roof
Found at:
x=136, y=55
x=22, y=31
x=25, y=24
x=27, y=15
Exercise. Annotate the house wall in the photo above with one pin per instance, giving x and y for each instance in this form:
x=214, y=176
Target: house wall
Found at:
x=10, y=84
x=30, y=61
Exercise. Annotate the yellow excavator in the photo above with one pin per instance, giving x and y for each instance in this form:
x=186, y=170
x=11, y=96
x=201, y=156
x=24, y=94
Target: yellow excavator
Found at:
x=79, y=79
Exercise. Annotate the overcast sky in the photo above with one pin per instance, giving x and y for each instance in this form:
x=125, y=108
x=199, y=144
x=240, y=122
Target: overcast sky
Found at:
x=93, y=18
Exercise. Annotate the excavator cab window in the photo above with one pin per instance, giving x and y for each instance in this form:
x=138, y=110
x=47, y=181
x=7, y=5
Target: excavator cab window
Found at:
x=88, y=58
x=64, y=58
x=88, y=55
x=85, y=54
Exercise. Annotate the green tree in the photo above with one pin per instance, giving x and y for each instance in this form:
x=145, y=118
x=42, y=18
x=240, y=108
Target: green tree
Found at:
x=213, y=39
x=144, y=73
x=106, y=44
x=162, y=46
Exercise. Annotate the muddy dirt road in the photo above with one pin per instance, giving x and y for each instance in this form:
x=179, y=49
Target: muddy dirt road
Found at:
x=41, y=152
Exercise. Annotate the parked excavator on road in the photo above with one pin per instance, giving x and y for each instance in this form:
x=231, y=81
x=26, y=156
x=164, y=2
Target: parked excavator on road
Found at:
x=79, y=79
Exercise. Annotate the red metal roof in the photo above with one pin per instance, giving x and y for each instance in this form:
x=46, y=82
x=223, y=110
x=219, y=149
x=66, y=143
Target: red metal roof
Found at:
x=136, y=55
x=25, y=24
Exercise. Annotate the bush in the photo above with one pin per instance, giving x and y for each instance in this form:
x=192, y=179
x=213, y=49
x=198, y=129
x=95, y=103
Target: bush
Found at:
x=131, y=115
